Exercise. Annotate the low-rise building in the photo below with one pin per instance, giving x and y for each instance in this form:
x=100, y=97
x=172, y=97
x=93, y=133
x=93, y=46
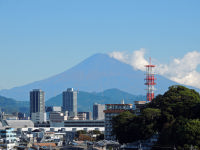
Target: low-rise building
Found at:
x=50, y=109
x=5, y=116
x=82, y=116
x=9, y=139
x=88, y=115
x=57, y=118
x=138, y=106
x=38, y=117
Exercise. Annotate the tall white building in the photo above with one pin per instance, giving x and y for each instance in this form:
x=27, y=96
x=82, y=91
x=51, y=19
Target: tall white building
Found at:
x=37, y=106
x=111, y=111
x=98, y=113
x=70, y=102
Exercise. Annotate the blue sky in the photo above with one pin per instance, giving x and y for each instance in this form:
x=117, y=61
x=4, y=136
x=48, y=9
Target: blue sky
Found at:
x=40, y=38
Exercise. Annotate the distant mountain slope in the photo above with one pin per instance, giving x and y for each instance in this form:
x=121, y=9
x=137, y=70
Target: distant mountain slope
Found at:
x=86, y=99
x=9, y=105
x=97, y=73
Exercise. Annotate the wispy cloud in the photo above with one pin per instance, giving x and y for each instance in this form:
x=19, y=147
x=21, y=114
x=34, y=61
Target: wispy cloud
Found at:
x=181, y=70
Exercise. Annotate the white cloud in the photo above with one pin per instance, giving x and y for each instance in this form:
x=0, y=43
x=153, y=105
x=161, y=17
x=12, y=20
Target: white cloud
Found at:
x=136, y=59
x=121, y=56
x=181, y=70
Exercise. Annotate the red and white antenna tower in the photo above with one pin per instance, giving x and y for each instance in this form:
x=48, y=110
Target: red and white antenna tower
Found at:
x=150, y=81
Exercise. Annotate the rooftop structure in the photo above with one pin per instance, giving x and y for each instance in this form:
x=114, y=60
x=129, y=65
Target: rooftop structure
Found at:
x=84, y=123
x=20, y=123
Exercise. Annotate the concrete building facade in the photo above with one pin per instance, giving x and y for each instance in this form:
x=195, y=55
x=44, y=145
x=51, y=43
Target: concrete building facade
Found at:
x=88, y=115
x=8, y=138
x=82, y=116
x=37, y=106
x=98, y=113
x=50, y=109
x=70, y=102
x=57, y=118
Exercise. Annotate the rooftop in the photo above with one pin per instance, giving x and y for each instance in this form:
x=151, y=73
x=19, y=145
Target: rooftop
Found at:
x=114, y=111
x=118, y=104
x=45, y=144
x=20, y=123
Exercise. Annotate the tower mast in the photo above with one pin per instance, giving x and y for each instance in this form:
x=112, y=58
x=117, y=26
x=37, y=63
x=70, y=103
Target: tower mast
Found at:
x=149, y=81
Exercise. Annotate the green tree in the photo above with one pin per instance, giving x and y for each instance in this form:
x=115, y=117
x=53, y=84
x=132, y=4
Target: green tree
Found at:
x=174, y=116
x=78, y=133
x=178, y=105
x=186, y=132
x=120, y=126
x=95, y=132
x=128, y=127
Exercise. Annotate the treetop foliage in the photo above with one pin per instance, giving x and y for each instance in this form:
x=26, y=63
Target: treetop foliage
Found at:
x=175, y=116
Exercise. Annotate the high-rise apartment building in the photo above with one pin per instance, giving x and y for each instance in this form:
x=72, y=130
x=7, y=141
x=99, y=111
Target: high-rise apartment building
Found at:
x=98, y=113
x=70, y=102
x=37, y=106
x=111, y=111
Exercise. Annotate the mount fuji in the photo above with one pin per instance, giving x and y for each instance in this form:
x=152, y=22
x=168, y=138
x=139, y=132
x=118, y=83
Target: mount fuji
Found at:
x=96, y=73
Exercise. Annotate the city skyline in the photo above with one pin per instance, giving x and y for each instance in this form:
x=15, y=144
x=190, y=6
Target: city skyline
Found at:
x=42, y=38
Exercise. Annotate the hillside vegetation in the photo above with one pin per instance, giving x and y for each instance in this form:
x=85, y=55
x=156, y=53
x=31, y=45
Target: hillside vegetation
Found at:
x=9, y=105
